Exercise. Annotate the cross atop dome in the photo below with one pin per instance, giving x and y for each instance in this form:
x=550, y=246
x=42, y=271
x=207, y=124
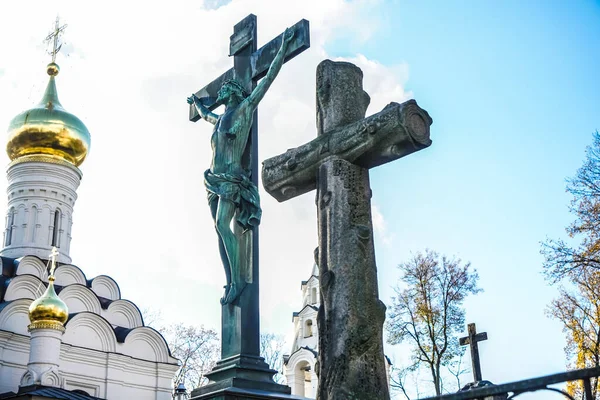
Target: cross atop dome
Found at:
x=54, y=37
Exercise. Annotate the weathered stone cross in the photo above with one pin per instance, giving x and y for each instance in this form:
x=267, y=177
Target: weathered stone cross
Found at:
x=472, y=339
x=337, y=164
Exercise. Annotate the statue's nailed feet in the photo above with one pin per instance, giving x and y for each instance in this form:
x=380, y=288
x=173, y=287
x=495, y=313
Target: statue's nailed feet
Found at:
x=232, y=292
x=224, y=298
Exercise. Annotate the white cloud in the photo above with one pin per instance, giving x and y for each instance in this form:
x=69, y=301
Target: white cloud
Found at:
x=380, y=225
x=142, y=216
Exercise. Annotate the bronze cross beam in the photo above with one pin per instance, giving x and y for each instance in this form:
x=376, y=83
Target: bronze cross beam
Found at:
x=472, y=339
x=337, y=163
x=250, y=66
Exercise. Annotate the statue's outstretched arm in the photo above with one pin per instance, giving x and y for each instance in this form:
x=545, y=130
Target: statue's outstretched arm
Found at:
x=204, y=112
x=259, y=92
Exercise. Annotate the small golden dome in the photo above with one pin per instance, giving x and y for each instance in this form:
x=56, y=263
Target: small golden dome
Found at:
x=49, y=308
x=47, y=129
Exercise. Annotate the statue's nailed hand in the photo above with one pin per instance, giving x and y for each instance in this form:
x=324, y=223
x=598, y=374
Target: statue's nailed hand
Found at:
x=191, y=99
x=288, y=35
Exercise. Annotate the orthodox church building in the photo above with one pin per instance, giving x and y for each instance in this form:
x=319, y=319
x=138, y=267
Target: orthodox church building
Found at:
x=299, y=365
x=64, y=335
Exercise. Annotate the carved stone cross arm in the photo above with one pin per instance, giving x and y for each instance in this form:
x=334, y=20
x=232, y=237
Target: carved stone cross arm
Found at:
x=398, y=130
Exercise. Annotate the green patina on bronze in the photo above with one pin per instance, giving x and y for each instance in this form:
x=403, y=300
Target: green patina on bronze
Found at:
x=231, y=182
x=231, y=192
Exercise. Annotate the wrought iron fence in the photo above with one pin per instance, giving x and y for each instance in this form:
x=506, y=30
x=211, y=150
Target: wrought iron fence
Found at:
x=514, y=389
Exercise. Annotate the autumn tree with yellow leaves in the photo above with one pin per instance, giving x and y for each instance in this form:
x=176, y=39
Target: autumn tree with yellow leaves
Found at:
x=575, y=262
x=565, y=258
x=427, y=313
x=579, y=311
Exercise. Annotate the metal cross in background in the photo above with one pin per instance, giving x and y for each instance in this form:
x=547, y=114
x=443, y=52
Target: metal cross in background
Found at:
x=472, y=339
x=53, y=37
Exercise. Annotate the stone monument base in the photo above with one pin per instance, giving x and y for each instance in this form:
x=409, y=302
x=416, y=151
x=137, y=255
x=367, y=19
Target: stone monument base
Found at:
x=241, y=389
x=241, y=378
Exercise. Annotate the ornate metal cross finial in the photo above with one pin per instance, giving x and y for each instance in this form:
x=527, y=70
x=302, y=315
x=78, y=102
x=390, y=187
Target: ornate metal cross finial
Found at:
x=53, y=257
x=53, y=37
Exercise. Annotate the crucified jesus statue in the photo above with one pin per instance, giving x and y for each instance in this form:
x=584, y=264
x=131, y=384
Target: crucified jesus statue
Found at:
x=228, y=180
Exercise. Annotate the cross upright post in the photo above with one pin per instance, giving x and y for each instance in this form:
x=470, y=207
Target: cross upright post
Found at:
x=241, y=367
x=472, y=339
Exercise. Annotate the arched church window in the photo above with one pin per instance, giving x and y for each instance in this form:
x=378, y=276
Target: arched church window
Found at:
x=308, y=332
x=9, y=226
x=33, y=223
x=314, y=295
x=56, y=229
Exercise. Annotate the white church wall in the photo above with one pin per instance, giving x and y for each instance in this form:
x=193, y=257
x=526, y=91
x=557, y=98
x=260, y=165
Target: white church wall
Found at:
x=14, y=354
x=113, y=376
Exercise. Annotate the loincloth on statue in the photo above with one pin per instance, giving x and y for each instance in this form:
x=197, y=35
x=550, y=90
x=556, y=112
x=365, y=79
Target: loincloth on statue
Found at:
x=240, y=190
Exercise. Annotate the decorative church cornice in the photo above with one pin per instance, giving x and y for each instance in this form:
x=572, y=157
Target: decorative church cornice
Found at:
x=299, y=313
x=306, y=282
x=44, y=159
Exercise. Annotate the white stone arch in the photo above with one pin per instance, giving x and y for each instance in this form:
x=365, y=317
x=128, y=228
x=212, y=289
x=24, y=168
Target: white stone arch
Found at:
x=300, y=373
x=56, y=221
x=20, y=224
x=32, y=265
x=147, y=344
x=105, y=286
x=68, y=275
x=123, y=313
x=24, y=287
x=80, y=298
x=90, y=331
x=14, y=317
x=308, y=328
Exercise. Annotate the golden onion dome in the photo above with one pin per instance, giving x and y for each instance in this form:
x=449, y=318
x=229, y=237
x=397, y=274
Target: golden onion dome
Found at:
x=49, y=308
x=47, y=129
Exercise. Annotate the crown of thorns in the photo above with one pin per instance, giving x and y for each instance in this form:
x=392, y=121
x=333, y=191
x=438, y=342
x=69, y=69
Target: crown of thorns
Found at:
x=236, y=85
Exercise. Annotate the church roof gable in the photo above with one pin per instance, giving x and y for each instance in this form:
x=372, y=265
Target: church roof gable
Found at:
x=312, y=277
x=304, y=309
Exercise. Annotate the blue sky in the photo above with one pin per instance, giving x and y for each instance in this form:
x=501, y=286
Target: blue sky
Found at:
x=511, y=86
x=513, y=90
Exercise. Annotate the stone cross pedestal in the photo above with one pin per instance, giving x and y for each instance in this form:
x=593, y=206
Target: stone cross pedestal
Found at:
x=336, y=163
